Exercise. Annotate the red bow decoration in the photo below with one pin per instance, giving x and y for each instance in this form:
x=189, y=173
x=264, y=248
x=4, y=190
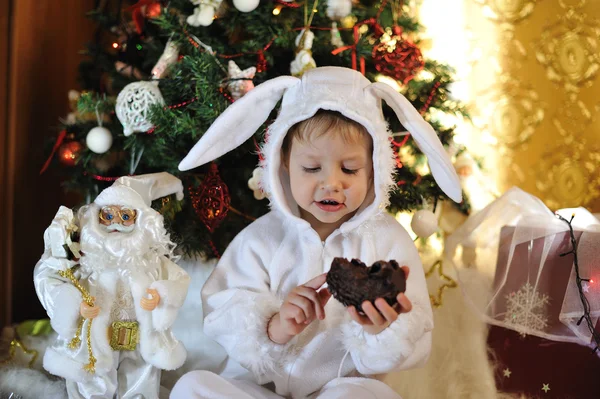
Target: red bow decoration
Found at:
x=378, y=31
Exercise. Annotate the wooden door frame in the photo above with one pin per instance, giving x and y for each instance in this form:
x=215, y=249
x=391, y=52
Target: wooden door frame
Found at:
x=6, y=168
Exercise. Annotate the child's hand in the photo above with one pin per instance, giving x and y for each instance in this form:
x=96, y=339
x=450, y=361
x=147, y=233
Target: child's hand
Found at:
x=301, y=307
x=377, y=318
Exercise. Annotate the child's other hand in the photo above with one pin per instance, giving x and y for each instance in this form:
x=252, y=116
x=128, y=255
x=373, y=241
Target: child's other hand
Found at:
x=301, y=307
x=377, y=318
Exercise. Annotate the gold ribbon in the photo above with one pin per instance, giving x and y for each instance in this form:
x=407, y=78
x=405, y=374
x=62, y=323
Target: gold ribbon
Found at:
x=76, y=341
x=436, y=301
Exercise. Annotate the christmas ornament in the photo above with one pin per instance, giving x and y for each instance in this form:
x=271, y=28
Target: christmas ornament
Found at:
x=397, y=58
x=336, y=37
x=99, y=139
x=211, y=200
x=245, y=5
x=438, y=266
x=168, y=58
x=254, y=183
x=69, y=152
x=239, y=82
x=338, y=9
x=134, y=103
x=304, y=60
x=204, y=14
x=424, y=223
x=153, y=10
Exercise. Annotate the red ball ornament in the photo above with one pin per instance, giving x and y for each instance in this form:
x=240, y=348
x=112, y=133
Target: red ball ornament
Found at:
x=397, y=58
x=68, y=153
x=211, y=200
x=153, y=10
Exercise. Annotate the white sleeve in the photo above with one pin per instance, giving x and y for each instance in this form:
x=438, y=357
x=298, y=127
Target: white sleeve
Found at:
x=406, y=343
x=57, y=294
x=238, y=303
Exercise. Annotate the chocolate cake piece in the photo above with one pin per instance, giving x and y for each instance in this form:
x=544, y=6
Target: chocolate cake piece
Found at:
x=353, y=282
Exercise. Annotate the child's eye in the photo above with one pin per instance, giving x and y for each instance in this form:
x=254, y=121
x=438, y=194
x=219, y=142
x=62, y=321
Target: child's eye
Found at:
x=350, y=171
x=311, y=170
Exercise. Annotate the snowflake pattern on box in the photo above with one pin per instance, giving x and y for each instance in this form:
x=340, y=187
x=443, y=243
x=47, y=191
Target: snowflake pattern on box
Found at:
x=526, y=310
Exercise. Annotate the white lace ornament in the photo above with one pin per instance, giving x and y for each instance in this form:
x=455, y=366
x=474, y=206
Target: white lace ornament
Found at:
x=304, y=59
x=254, y=183
x=133, y=106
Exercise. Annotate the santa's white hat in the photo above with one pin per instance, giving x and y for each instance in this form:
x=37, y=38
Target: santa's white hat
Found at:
x=138, y=192
x=330, y=88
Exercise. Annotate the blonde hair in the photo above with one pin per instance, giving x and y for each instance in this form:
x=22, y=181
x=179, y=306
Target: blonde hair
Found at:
x=324, y=122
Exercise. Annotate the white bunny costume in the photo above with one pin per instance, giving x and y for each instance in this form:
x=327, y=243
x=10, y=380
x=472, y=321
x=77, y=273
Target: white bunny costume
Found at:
x=281, y=251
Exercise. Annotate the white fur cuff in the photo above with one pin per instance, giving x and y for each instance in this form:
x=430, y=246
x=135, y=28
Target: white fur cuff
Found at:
x=65, y=312
x=391, y=347
x=254, y=349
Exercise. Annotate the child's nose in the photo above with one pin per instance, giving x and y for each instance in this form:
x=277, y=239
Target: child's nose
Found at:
x=332, y=183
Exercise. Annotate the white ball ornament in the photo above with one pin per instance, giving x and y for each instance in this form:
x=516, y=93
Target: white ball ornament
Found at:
x=245, y=5
x=424, y=223
x=99, y=139
x=133, y=106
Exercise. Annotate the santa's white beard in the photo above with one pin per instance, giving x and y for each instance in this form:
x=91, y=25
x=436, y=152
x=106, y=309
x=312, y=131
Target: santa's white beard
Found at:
x=137, y=249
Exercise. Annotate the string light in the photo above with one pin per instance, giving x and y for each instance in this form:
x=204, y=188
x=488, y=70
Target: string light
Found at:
x=115, y=45
x=584, y=301
x=277, y=10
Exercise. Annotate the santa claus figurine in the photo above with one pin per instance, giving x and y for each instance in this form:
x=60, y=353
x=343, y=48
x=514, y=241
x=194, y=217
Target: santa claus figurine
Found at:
x=109, y=284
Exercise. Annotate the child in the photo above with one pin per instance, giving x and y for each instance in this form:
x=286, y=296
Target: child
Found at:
x=328, y=169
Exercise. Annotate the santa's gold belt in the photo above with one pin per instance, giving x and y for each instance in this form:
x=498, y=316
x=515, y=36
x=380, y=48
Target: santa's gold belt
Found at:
x=124, y=335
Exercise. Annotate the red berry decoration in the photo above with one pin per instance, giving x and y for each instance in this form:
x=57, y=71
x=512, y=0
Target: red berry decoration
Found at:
x=397, y=58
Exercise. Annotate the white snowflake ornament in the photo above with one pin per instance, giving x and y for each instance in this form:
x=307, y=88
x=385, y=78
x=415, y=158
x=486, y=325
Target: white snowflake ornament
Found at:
x=304, y=59
x=133, y=106
x=204, y=14
x=338, y=9
x=526, y=310
x=254, y=183
x=239, y=82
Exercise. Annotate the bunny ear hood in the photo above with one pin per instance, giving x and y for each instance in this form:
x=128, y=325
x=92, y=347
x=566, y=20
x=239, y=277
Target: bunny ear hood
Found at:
x=329, y=88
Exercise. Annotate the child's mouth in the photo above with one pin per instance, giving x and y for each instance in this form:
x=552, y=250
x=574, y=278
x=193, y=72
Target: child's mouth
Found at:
x=329, y=205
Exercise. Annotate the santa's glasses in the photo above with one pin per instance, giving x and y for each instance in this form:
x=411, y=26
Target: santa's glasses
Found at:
x=114, y=214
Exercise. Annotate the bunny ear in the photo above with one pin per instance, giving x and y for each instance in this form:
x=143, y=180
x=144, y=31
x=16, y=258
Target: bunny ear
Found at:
x=441, y=167
x=238, y=122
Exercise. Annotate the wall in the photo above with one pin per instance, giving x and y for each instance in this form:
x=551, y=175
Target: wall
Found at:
x=42, y=43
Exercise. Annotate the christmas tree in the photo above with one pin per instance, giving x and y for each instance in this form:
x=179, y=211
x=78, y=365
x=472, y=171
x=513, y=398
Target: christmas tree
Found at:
x=159, y=73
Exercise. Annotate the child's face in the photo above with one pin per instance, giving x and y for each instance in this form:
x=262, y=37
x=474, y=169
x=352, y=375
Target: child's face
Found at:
x=330, y=177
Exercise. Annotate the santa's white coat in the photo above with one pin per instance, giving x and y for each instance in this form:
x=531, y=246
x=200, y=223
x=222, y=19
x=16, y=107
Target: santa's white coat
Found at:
x=61, y=299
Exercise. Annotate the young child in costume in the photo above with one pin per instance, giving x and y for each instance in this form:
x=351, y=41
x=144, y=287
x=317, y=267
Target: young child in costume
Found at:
x=328, y=168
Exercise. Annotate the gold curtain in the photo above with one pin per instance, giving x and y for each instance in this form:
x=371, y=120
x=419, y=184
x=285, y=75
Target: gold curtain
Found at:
x=532, y=77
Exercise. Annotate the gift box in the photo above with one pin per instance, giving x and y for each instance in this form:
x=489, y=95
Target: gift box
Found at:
x=532, y=278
